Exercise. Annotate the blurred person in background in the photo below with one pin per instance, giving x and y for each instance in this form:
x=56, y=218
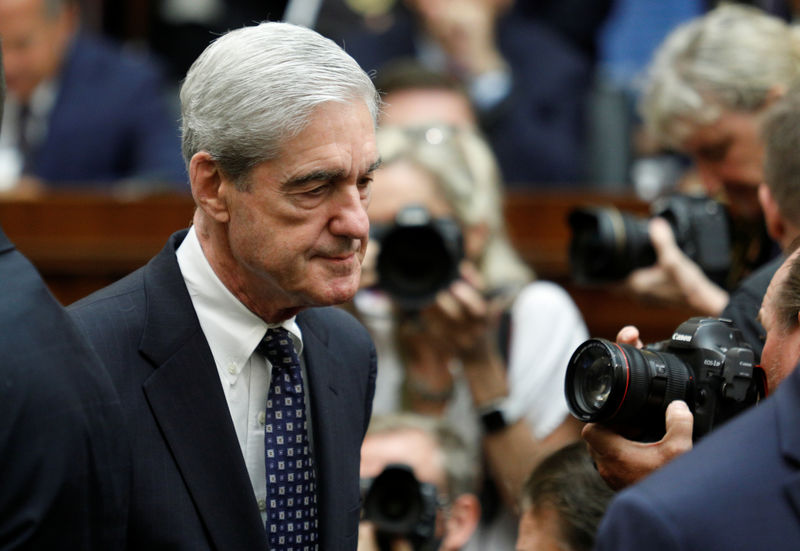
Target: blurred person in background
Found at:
x=415, y=95
x=437, y=458
x=80, y=111
x=528, y=85
x=710, y=84
x=487, y=350
x=562, y=502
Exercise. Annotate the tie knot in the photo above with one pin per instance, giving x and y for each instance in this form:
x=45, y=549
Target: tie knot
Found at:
x=278, y=347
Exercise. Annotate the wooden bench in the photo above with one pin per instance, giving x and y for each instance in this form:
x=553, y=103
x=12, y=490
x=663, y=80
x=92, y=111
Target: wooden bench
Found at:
x=81, y=242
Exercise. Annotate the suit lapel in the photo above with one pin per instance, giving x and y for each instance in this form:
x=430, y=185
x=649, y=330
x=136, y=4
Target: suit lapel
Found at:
x=327, y=414
x=187, y=401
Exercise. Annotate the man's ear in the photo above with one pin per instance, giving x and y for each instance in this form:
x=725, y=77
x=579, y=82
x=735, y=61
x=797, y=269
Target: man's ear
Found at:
x=208, y=186
x=776, y=228
x=465, y=513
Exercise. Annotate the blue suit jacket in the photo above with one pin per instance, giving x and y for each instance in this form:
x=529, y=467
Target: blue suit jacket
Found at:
x=64, y=461
x=110, y=122
x=190, y=486
x=738, y=489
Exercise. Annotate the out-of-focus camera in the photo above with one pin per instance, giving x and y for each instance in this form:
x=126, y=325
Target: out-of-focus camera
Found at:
x=706, y=363
x=400, y=507
x=419, y=256
x=606, y=244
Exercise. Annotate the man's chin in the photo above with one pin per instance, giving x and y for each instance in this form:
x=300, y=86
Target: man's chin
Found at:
x=338, y=292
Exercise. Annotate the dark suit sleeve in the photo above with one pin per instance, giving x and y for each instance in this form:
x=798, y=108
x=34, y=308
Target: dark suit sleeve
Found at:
x=745, y=302
x=633, y=523
x=64, y=460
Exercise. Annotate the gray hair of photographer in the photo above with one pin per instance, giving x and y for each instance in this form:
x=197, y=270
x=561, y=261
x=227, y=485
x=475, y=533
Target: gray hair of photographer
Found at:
x=459, y=461
x=730, y=59
x=466, y=173
x=562, y=502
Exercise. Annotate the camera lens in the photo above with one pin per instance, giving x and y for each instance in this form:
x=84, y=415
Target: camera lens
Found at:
x=419, y=256
x=394, y=502
x=606, y=244
x=607, y=381
x=595, y=383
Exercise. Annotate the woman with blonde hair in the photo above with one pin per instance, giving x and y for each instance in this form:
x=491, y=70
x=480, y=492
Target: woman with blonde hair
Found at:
x=490, y=349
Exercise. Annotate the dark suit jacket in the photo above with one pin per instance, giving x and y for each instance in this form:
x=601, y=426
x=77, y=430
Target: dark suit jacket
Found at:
x=745, y=302
x=110, y=122
x=190, y=486
x=738, y=489
x=64, y=464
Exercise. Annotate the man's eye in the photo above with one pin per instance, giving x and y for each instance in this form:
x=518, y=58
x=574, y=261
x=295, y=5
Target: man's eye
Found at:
x=365, y=184
x=318, y=190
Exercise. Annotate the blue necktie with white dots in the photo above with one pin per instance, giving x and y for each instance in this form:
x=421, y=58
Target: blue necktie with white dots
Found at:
x=292, y=523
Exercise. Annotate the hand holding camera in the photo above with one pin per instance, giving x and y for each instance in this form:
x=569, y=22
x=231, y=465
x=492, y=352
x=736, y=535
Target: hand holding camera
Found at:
x=622, y=462
x=675, y=278
x=704, y=375
x=681, y=255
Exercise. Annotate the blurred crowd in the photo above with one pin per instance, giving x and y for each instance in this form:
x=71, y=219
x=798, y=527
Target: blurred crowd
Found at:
x=666, y=100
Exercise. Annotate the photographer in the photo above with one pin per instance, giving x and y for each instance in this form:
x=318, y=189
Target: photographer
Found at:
x=710, y=85
x=736, y=489
x=439, y=459
x=489, y=348
x=622, y=461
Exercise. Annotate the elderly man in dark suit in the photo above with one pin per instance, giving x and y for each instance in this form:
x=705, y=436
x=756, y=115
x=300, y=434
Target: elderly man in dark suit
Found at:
x=64, y=461
x=246, y=395
x=739, y=488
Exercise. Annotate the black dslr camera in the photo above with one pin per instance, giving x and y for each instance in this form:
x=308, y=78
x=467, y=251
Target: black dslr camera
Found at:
x=607, y=244
x=706, y=363
x=400, y=507
x=419, y=256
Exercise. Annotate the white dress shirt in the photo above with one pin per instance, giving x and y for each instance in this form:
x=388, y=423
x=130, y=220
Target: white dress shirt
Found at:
x=233, y=332
x=41, y=104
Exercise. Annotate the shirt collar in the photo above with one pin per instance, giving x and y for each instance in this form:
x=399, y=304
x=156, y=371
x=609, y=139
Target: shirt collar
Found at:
x=233, y=331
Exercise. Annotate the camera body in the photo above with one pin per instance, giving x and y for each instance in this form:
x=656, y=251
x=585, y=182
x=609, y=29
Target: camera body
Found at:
x=607, y=244
x=419, y=256
x=401, y=507
x=706, y=363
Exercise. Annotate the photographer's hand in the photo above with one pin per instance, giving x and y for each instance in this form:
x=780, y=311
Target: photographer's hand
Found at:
x=622, y=462
x=461, y=319
x=674, y=278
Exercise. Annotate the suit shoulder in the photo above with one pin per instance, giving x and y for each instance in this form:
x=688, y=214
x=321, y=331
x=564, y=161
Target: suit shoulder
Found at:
x=99, y=313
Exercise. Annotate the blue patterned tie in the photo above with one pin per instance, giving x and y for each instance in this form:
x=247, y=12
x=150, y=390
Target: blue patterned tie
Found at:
x=291, y=483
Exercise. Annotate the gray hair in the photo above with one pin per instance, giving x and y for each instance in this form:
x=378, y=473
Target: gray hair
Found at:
x=256, y=87
x=729, y=58
x=467, y=174
x=459, y=461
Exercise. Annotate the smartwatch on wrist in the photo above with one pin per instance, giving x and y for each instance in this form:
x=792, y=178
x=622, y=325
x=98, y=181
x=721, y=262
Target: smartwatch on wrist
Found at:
x=493, y=418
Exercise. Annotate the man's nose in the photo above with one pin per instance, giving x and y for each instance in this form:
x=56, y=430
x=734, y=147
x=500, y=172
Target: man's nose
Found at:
x=350, y=218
